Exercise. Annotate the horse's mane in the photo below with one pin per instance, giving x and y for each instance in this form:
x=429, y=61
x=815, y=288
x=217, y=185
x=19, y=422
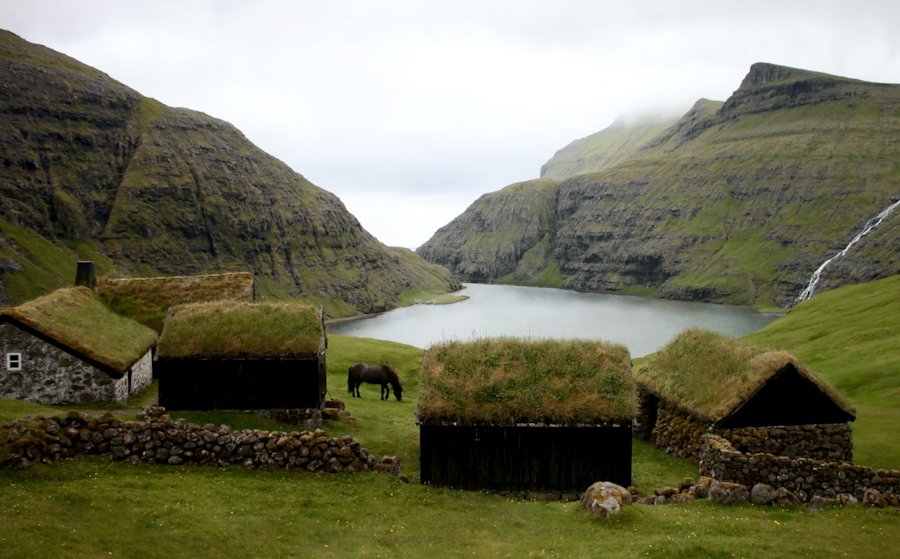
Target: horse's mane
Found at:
x=392, y=375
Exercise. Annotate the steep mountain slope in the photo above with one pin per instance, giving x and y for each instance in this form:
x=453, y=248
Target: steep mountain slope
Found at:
x=739, y=204
x=618, y=142
x=93, y=169
x=512, y=229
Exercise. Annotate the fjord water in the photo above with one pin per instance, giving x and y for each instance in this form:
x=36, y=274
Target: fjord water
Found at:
x=643, y=324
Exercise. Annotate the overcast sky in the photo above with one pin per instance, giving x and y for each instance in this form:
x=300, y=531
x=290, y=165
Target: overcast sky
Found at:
x=409, y=111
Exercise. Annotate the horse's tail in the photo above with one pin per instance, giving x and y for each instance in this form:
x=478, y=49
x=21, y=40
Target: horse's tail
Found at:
x=350, y=380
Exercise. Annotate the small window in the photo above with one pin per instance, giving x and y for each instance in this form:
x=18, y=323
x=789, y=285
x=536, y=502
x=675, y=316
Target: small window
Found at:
x=14, y=361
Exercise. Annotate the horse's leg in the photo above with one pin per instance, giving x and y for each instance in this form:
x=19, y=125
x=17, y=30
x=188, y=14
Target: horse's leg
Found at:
x=356, y=395
x=385, y=392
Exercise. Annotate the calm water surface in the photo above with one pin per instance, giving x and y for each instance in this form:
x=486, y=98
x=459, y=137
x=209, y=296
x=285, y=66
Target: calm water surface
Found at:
x=643, y=324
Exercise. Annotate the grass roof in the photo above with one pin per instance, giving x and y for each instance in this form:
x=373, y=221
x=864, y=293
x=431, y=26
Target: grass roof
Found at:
x=230, y=329
x=148, y=299
x=76, y=318
x=510, y=380
x=710, y=375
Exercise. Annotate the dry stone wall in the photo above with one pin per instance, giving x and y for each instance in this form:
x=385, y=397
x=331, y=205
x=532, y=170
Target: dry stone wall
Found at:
x=681, y=434
x=829, y=442
x=162, y=440
x=807, y=478
x=677, y=432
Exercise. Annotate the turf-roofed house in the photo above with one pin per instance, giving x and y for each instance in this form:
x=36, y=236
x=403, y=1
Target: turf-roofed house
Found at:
x=147, y=300
x=68, y=347
x=229, y=355
x=526, y=415
x=761, y=401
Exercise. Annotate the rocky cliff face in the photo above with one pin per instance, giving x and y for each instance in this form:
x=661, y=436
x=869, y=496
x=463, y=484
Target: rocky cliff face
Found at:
x=736, y=202
x=505, y=233
x=92, y=167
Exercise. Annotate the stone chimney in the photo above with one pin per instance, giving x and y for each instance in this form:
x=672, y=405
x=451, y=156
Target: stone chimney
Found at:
x=85, y=274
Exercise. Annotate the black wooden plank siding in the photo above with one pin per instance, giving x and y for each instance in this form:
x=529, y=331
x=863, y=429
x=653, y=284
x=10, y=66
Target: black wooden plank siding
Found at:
x=241, y=384
x=532, y=458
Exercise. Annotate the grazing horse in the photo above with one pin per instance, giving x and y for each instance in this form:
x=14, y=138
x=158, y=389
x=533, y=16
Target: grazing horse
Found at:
x=374, y=374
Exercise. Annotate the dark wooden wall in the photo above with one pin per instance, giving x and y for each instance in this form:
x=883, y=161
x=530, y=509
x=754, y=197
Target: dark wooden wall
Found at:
x=565, y=459
x=240, y=384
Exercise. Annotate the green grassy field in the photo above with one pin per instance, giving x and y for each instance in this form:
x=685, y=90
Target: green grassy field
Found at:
x=88, y=507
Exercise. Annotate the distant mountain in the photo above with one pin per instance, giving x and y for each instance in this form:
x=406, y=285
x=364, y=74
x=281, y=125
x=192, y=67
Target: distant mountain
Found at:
x=736, y=202
x=621, y=141
x=92, y=169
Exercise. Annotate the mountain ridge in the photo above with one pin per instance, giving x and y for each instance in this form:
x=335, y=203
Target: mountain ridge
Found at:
x=736, y=202
x=99, y=171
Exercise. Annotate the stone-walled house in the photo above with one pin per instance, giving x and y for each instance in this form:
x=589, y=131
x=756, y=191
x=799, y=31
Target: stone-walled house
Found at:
x=760, y=401
x=68, y=347
x=505, y=414
x=230, y=355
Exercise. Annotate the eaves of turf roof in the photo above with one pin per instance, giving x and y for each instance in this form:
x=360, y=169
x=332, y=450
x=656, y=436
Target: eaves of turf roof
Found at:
x=76, y=321
x=512, y=381
x=148, y=299
x=240, y=330
x=712, y=376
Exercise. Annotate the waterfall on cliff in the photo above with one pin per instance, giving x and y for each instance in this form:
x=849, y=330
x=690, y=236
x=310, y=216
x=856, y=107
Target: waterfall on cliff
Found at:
x=870, y=225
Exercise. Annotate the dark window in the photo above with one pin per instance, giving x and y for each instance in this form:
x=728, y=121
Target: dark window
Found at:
x=14, y=361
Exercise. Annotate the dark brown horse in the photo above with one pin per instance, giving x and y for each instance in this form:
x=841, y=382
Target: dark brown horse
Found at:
x=374, y=374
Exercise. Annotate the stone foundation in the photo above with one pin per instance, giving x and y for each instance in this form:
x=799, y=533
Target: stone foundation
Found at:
x=807, y=478
x=308, y=418
x=681, y=434
x=162, y=440
x=831, y=443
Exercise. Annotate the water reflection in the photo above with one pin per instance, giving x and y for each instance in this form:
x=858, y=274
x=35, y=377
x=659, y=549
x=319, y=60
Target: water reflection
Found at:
x=643, y=324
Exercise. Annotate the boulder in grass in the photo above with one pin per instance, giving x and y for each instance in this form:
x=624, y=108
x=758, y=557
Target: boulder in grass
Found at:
x=786, y=498
x=847, y=500
x=701, y=488
x=873, y=498
x=726, y=493
x=763, y=494
x=605, y=498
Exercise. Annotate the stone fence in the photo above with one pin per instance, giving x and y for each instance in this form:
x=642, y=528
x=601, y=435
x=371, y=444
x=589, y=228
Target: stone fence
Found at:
x=805, y=477
x=162, y=440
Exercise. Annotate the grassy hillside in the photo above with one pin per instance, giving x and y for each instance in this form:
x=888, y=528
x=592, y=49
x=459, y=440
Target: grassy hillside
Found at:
x=619, y=142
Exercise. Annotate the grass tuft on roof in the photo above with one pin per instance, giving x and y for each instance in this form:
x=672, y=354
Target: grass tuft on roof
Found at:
x=239, y=330
x=147, y=300
x=76, y=318
x=511, y=381
x=710, y=375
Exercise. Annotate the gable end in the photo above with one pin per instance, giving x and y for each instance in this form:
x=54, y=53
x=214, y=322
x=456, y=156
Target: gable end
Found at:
x=62, y=347
x=787, y=398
